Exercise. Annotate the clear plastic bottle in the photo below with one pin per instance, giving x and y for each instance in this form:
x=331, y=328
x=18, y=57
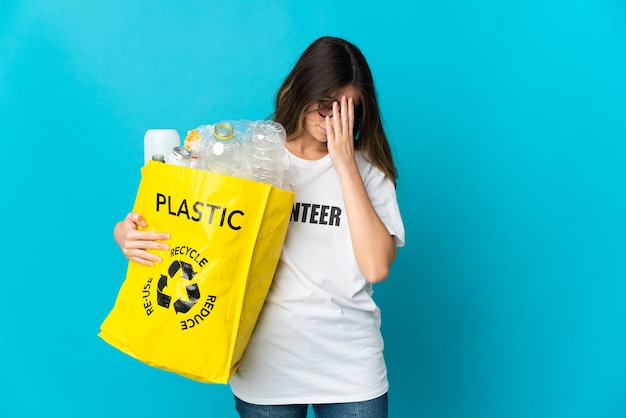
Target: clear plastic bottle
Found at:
x=222, y=152
x=266, y=156
x=159, y=141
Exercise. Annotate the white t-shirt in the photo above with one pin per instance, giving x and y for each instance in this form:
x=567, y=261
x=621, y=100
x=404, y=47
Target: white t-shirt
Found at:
x=318, y=337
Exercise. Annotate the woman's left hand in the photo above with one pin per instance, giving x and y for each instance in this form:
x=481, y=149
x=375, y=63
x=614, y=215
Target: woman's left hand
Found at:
x=340, y=135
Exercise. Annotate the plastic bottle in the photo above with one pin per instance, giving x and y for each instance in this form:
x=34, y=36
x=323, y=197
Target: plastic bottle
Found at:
x=158, y=157
x=180, y=156
x=222, y=152
x=159, y=141
x=266, y=157
x=193, y=140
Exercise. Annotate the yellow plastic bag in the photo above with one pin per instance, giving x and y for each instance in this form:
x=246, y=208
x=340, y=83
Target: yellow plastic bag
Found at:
x=193, y=314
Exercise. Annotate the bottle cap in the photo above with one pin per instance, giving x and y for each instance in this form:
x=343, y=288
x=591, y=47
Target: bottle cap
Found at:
x=223, y=131
x=181, y=153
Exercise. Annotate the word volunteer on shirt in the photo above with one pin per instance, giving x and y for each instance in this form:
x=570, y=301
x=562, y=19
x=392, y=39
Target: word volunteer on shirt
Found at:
x=314, y=213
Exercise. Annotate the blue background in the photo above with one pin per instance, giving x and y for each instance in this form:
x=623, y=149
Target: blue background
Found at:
x=507, y=120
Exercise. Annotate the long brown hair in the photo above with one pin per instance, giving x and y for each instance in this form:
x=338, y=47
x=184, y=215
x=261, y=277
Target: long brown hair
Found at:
x=327, y=65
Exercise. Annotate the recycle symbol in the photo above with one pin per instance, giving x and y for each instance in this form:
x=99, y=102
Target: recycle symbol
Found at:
x=193, y=292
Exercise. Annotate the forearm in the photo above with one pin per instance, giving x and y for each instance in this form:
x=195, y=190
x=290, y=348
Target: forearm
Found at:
x=374, y=247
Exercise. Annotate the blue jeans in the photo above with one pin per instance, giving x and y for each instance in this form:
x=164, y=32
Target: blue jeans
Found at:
x=375, y=408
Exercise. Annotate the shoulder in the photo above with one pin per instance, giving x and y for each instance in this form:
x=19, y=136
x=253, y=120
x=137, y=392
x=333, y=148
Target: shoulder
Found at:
x=362, y=161
x=367, y=169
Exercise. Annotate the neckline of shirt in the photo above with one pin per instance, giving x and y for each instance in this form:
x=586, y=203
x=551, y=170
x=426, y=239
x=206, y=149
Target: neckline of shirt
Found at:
x=308, y=163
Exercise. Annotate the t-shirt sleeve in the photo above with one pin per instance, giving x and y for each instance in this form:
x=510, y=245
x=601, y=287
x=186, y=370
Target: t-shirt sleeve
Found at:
x=382, y=194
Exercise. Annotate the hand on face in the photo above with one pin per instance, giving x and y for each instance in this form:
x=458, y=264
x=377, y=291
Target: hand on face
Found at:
x=340, y=133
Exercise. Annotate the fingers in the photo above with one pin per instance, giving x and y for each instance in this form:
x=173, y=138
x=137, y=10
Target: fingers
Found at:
x=330, y=134
x=136, y=219
x=343, y=119
x=337, y=121
x=143, y=261
x=146, y=239
x=347, y=117
x=136, y=243
x=143, y=257
x=148, y=236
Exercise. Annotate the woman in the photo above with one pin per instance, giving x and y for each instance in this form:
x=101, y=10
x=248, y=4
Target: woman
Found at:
x=318, y=338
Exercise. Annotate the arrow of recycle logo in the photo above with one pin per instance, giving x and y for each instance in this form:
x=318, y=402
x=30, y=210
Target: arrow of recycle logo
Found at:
x=193, y=292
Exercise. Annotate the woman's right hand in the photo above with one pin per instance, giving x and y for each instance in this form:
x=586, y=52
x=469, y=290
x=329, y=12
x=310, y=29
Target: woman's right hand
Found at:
x=135, y=243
